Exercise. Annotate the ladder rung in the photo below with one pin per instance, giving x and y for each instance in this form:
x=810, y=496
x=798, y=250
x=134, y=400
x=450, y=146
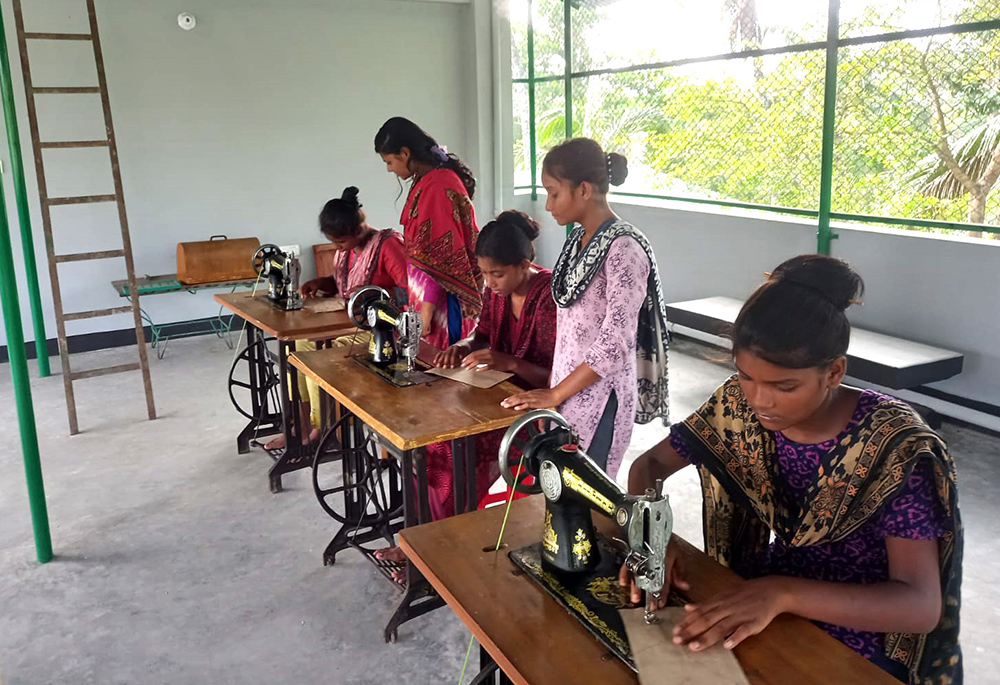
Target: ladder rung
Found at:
x=94, y=313
x=81, y=200
x=65, y=90
x=107, y=370
x=58, y=36
x=86, y=256
x=73, y=143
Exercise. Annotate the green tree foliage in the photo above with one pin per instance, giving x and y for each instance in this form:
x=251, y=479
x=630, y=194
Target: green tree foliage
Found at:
x=917, y=120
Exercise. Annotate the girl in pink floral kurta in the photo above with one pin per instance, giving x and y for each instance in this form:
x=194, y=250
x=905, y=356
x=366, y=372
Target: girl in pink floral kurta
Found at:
x=609, y=369
x=599, y=330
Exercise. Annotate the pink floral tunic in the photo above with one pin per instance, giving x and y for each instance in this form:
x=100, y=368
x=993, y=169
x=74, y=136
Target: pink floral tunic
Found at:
x=599, y=329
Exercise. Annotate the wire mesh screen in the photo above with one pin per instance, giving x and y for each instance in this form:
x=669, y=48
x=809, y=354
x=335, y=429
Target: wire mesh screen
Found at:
x=723, y=101
x=918, y=128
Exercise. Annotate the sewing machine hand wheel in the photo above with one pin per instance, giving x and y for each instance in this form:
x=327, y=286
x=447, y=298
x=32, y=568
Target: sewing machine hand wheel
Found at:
x=360, y=299
x=264, y=254
x=514, y=441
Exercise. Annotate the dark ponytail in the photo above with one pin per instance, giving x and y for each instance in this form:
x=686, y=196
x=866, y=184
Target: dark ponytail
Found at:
x=508, y=239
x=342, y=217
x=398, y=133
x=582, y=159
x=797, y=318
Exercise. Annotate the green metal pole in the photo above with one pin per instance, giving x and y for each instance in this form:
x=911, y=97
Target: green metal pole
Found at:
x=23, y=213
x=824, y=235
x=22, y=391
x=568, y=58
x=533, y=129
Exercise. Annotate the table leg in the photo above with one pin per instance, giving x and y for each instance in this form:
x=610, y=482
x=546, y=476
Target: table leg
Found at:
x=423, y=495
x=463, y=464
x=489, y=671
x=258, y=371
x=459, y=464
x=420, y=597
x=471, y=457
x=296, y=454
x=362, y=486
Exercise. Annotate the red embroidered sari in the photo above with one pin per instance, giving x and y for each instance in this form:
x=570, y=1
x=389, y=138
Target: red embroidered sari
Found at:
x=533, y=338
x=439, y=226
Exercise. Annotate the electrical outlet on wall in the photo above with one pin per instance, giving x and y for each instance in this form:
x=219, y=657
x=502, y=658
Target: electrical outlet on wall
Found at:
x=292, y=250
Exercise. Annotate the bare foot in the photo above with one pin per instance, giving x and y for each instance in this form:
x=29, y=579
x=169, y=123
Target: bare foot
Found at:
x=277, y=443
x=390, y=554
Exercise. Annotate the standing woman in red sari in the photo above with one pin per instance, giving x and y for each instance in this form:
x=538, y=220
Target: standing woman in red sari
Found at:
x=439, y=228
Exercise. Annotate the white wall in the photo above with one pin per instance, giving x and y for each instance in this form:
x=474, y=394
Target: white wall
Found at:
x=244, y=126
x=936, y=290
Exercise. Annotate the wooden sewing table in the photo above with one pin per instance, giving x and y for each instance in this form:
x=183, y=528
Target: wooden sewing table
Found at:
x=527, y=637
x=268, y=414
x=406, y=421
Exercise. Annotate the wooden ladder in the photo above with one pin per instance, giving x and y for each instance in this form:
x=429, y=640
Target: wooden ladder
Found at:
x=39, y=146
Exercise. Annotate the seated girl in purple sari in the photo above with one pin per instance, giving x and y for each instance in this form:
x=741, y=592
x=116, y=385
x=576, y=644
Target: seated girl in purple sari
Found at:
x=857, y=492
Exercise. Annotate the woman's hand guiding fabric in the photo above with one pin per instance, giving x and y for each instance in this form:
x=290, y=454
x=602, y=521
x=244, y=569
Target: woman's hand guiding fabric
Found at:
x=545, y=398
x=451, y=357
x=732, y=616
x=484, y=359
x=673, y=578
x=315, y=288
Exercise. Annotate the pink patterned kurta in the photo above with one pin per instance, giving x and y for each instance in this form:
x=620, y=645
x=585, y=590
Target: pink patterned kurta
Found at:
x=599, y=329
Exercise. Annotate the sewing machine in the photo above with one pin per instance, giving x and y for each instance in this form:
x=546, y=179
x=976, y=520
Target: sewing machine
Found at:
x=574, y=564
x=395, y=335
x=282, y=271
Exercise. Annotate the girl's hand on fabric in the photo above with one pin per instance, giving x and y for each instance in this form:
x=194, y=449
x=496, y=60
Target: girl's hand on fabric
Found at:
x=313, y=288
x=451, y=357
x=480, y=360
x=733, y=616
x=545, y=398
x=673, y=578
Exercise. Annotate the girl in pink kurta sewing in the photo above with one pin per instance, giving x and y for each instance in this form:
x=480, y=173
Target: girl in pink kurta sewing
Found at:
x=609, y=369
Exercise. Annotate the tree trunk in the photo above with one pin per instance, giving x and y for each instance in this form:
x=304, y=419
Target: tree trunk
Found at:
x=977, y=209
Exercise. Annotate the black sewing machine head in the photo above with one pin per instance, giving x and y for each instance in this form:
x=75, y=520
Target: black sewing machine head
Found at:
x=282, y=273
x=542, y=444
x=395, y=333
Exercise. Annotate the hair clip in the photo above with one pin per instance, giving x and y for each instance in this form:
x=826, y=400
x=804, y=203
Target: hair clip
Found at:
x=767, y=274
x=607, y=160
x=857, y=302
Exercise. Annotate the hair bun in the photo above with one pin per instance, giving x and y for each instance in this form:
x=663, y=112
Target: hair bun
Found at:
x=617, y=168
x=832, y=278
x=350, y=195
x=522, y=221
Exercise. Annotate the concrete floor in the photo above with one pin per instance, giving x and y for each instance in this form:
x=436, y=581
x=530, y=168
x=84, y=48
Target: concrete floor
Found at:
x=175, y=564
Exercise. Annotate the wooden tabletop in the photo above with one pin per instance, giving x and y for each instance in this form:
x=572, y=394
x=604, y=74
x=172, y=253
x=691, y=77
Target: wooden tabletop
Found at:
x=301, y=324
x=536, y=641
x=408, y=417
